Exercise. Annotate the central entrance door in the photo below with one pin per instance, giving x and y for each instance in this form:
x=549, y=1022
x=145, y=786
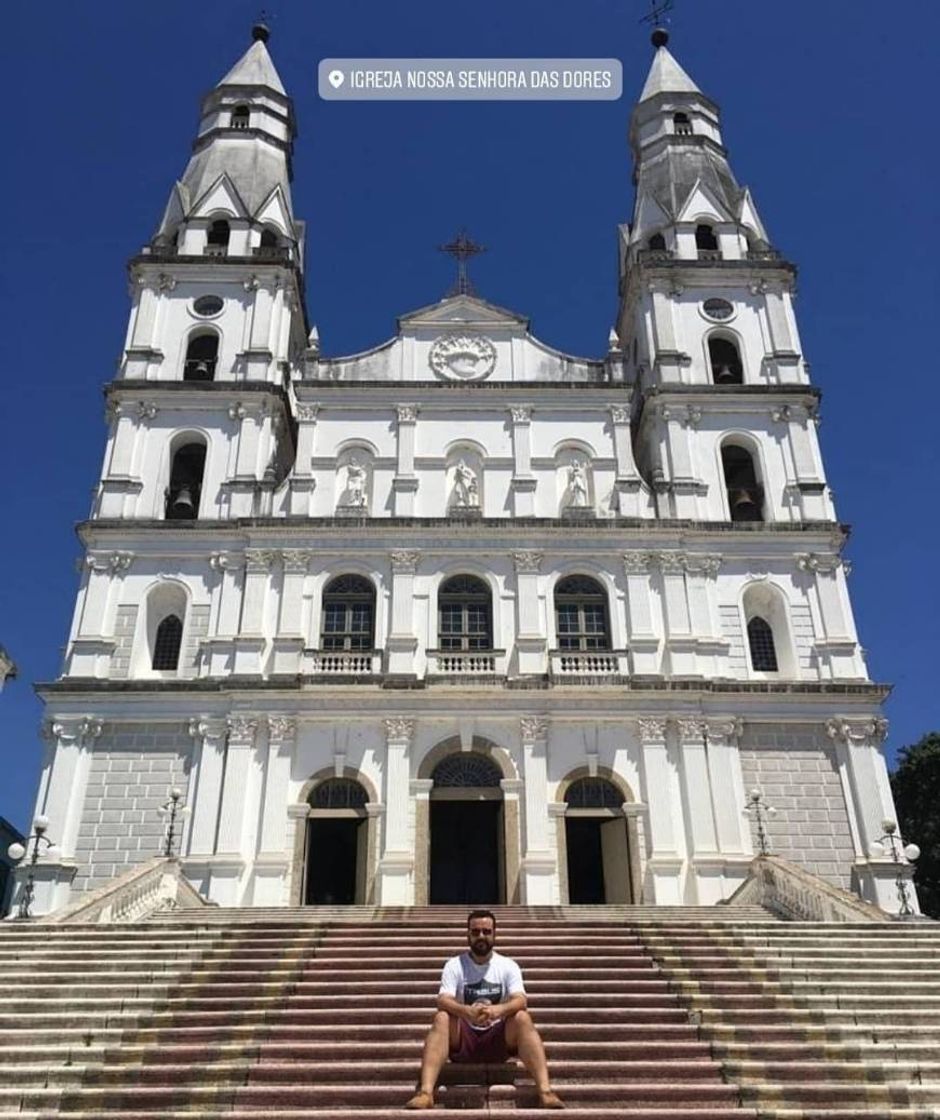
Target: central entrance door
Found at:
x=467, y=858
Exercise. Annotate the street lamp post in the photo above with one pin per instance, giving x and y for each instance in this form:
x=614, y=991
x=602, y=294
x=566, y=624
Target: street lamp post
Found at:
x=758, y=808
x=172, y=811
x=16, y=852
x=891, y=844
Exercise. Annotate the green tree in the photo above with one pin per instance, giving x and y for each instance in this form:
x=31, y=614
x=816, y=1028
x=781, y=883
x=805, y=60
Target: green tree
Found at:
x=916, y=788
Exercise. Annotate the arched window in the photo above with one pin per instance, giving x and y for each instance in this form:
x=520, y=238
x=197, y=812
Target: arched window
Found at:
x=706, y=242
x=217, y=239
x=593, y=793
x=338, y=793
x=348, y=614
x=745, y=495
x=760, y=640
x=682, y=124
x=725, y=362
x=269, y=239
x=581, y=614
x=467, y=769
x=201, y=356
x=241, y=116
x=185, y=489
x=464, y=614
x=166, y=645
x=657, y=243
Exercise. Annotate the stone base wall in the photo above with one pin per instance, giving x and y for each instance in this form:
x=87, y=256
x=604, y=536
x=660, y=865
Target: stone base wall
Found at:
x=133, y=768
x=795, y=768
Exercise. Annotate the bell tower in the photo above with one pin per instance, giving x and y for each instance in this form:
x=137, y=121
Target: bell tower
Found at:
x=199, y=417
x=727, y=422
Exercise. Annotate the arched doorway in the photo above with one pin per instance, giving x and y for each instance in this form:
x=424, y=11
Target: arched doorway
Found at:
x=336, y=849
x=597, y=843
x=468, y=859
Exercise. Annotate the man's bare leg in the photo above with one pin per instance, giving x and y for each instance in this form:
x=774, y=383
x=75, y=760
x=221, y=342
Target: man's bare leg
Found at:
x=443, y=1037
x=522, y=1037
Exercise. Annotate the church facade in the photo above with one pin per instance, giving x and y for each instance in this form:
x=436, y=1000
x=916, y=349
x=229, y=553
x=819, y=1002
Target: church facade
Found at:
x=462, y=618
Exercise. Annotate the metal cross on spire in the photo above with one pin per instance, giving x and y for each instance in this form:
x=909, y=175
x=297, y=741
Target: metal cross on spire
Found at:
x=657, y=14
x=462, y=249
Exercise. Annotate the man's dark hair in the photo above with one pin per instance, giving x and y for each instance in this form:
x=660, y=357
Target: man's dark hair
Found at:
x=481, y=914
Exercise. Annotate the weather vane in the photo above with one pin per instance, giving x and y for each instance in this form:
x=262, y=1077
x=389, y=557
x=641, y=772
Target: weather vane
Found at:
x=659, y=10
x=462, y=249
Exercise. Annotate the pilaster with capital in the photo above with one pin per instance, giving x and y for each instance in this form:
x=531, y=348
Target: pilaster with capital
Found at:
x=405, y=482
x=643, y=640
x=208, y=733
x=723, y=736
x=282, y=734
x=836, y=641
x=73, y=738
x=397, y=861
x=522, y=486
x=533, y=733
x=106, y=572
x=661, y=792
x=302, y=481
x=701, y=573
x=531, y=641
x=242, y=730
x=678, y=621
x=402, y=642
x=858, y=742
x=295, y=562
x=124, y=440
x=628, y=484
x=696, y=788
x=225, y=579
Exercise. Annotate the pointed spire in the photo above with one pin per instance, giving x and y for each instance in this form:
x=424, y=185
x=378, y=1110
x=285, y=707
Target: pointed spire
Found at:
x=666, y=75
x=255, y=67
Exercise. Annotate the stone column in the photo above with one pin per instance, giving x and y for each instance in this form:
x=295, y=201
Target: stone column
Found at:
x=396, y=867
x=208, y=765
x=642, y=640
x=405, y=483
x=250, y=643
x=289, y=643
x=523, y=482
x=272, y=861
x=539, y=867
x=661, y=793
x=402, y=644
x=531, y=642
x=302, y=481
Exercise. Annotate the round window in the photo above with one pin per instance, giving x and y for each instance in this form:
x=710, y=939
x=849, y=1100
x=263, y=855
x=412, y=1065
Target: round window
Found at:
x=718, y=309
x=207, y=305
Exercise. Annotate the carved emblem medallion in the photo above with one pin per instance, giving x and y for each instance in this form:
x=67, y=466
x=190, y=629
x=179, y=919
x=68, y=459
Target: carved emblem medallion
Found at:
x=463, y=357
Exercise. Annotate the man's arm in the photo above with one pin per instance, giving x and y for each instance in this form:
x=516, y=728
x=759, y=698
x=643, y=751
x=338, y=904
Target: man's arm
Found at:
x=496, y=1011
x=453, y=1007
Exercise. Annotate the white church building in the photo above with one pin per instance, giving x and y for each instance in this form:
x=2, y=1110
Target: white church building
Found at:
x=462, y=618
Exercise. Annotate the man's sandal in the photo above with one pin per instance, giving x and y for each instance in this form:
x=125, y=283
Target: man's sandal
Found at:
x=421, y=1099
x=550, y=1100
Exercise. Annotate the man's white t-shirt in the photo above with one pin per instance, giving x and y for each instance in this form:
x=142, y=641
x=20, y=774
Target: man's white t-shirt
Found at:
x=493, y=982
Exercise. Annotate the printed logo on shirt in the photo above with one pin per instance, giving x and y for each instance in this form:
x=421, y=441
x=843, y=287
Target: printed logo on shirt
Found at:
x=483, y=991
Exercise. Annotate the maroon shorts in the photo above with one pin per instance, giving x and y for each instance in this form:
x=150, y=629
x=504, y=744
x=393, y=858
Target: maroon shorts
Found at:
x=481, y=1046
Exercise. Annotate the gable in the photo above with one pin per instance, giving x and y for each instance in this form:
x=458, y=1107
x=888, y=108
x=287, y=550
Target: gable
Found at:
x=221, y=197
x=702, y=203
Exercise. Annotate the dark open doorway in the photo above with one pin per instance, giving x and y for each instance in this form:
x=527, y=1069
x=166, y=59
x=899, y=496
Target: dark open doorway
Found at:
x=466, y=851
x=585, y=860
x=334, y=852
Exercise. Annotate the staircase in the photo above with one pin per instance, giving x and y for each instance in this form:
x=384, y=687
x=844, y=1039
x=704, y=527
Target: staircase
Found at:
x=659, y=1013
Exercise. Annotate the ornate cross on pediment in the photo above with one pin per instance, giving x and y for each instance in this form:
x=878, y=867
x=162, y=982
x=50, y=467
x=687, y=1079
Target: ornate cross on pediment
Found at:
x=462, y=249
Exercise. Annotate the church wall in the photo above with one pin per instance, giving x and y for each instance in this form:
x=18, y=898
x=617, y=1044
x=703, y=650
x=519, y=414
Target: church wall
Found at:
x=132, y=769
x=795, y=768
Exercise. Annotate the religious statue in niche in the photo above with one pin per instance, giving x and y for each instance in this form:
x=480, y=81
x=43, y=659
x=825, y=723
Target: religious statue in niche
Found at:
x=577, y=485
x=355, y=496
x=466, y=488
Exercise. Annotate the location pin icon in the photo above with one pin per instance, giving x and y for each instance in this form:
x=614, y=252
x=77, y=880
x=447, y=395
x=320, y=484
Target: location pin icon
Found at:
x=336, y=78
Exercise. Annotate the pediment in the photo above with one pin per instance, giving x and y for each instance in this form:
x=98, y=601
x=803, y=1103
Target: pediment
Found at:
x=469, y=311
x=748, y=215
x=221, y=197
x=650, y=217
x=275, y=211
x=702, y=203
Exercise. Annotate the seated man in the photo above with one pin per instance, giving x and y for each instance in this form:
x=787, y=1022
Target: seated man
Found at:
x=481, y=1016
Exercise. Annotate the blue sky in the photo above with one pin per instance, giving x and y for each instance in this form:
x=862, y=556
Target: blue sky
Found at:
x=828, y=111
